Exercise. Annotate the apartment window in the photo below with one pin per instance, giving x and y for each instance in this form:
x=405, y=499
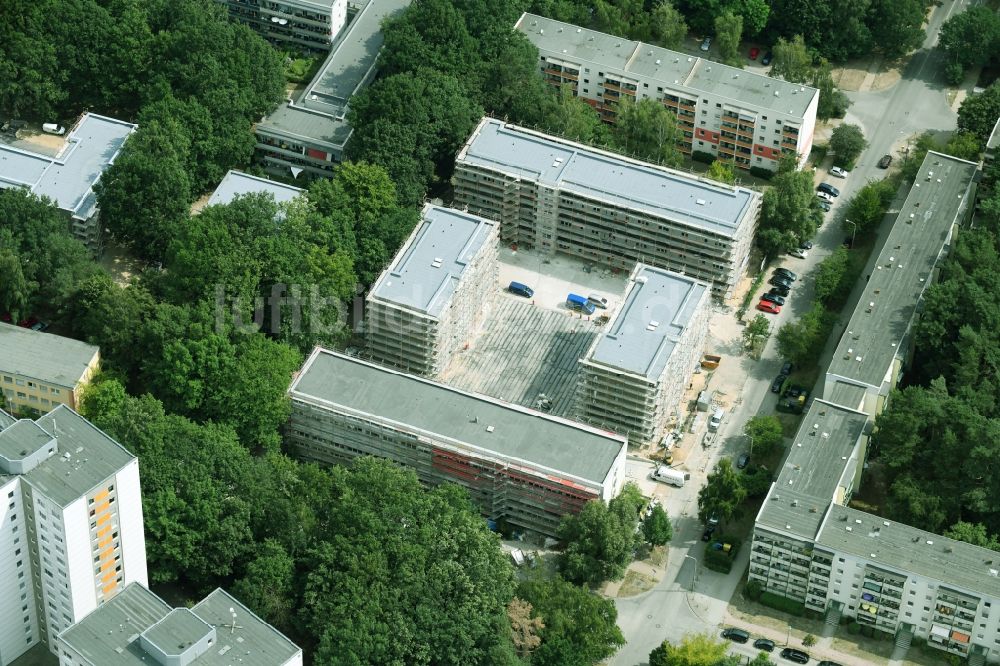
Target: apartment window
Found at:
x=44, y=389
x=31, y=384
x=763, y=117
x=21, y=395
x=585, y=90
x=19, y=382
x=8, y=380
x=718, y=106
x=55, y=391
x=704, y=112
x=599, y=73
x=705, y=101
x=701, y=143
x=645, y=85
x=586, y=80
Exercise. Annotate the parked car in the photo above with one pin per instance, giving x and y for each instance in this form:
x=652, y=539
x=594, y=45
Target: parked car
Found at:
x=39, y=326
x=885, y=162
x=520, y=289
x=780, y=291
x=768, y=307
x=773, y=298
x=765, y=644
x=786, y=368
x=787, y=273
x=706, y=536
x=754, y=52
x=824, y=206
x=838, y=172
x=743, y=461
x=827, y=662
x=798, y=656
x=778, y=382
x=28, y=323
x=736, y=635
x=799, y=253
x=598, y=301
x=716, y=420
x=781, y=281
x=806, y=245
x=706, y=44
x=824, y=196
x=848, y=242
x=829, y=189
x=768, y=57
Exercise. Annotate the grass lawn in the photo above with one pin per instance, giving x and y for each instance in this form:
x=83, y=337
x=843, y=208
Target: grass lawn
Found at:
x=301, y=70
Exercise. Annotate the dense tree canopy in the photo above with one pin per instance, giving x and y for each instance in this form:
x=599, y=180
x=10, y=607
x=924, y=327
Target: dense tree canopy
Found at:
x=970, y=38
x=790, y=212
x=722, y=493
x=693, y=650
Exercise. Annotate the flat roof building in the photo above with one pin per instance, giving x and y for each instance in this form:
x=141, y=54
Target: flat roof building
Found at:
x=41, y=370
x=138, y=627
x=636, y=371
x=558, y=195
x=524, y=466
x=68, y=178
x=875, y=345
x=299, y=25
x=435, y=293
x=308, y=133
x=237, y=183
x=733, y=114
x=71, y=528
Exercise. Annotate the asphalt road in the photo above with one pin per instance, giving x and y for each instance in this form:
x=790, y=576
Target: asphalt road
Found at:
x=690, y=598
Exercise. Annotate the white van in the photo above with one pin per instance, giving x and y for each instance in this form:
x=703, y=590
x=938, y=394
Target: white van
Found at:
x=669, y=475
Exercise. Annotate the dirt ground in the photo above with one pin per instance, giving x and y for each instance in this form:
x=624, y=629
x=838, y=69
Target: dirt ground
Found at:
x=871, y=73
x=39, y=142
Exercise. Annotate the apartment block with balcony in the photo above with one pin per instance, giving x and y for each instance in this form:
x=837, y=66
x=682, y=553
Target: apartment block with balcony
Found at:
x=523, y=466
x=308, y=133
x=555, y=195
x=137, y=627
x=71, y=530
x=39, y=371
x=635, y=372
x=68, y=176
x=299, y=25
x=749, y=119
x=434, y=295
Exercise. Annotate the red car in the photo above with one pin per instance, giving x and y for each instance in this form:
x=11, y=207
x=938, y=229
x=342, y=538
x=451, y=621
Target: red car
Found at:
x=770, y=308
x=28, y=323
x=754, y=52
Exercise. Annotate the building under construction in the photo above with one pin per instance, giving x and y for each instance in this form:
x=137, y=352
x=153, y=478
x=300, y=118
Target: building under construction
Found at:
x=429, y=302
x=635, y=373
x=519, y=465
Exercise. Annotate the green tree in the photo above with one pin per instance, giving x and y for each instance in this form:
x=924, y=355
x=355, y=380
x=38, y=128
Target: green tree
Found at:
x=728, y=33
x=832, y=102
x=974, y=533
x=268, y=586
x=792, y=61
x=753, y=12
x=869, y=205
x=896, y=25
x=656, y=527
x=722, y=172
x=756, y=331
x=598, y=544
x=847, y=141
x=576, y=120
x=964, y=145
x=969, y=38
x=790, y=212
x=667, y=25
x=648, y=130
x=978, y=113
x=832, y=285
x=722, y=493
x=756, y=481
x=693, y=650
x=14, y=289
x=765, y=432
x=580, y=626
x=801, y=342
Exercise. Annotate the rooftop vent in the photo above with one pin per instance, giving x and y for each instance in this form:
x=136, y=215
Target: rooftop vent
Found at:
x=848, y=528
x=795, y=502
x=657, y=61
x=641, y=279
x=775, y=93
x=490, y=428
x=436, y=263
x=886, y=523
x=700, y=202
x=579, y=30
x=541, y=31
x=930, y=543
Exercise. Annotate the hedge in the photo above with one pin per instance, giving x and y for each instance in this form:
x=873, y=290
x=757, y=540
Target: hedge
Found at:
x=702, y=156
x=761, y=172
x=718, y=560
x=783, y=604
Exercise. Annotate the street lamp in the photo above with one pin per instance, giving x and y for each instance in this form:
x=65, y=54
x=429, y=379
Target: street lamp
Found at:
x=750, y=437
x=854, y=230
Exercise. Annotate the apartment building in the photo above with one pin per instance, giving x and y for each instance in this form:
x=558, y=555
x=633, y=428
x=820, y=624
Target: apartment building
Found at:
x=560, y=196
x=523, y=466
x=41, y=371
x=296, y=25
x=137, y=627
x=808, y=545
x=308, y=133
x=876, y=345
x=435, y=293
x=736, y=115
x=635, y=372
x=236, y=184
x=68, y=176
x=71, y=531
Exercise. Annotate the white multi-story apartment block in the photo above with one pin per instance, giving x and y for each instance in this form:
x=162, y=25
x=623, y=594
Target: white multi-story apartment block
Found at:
x=519, y=465
x=435, y=293
x=808, y=545
x=71, y=530
x=560, y=196
x=636, y=371
x=736, y=115
x=309, y=25
x=137, y=627
x=41, y=370
x=69, y=176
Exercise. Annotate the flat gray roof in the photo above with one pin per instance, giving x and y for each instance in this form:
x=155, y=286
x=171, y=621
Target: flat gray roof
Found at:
x=318, y=114
x=48, y=358
x=415, y=404
x=93, y=457
x=676, y=71
x=177, y=629
x=20, y=439
x=817, y=463
x=6, y=420
x=905, y=266
x=897, y=546
x=656, y=311
x=68, y=179
x=427, y=270
x=237, y=183
x=848, y=395
x=109, y=635
x=607, y=177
